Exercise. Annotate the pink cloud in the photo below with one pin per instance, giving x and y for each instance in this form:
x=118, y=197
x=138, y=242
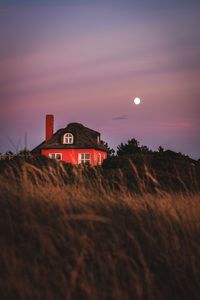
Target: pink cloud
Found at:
x=176, y=125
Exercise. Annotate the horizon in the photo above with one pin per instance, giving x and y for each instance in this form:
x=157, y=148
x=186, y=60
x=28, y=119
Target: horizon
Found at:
x=86, y=61
x=23, y=146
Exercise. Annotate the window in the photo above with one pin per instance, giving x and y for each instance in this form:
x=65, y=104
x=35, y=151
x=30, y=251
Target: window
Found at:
x=98, y=139
x=57, y=156
x=95, y=159
x=68, y=138
x=99, y=159
x=84, y=158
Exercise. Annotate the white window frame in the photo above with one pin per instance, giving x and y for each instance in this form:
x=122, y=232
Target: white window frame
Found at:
x=54, y=156
x=82, y=158
x=68, y=138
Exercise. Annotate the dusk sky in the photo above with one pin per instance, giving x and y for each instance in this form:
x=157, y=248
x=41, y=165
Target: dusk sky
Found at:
x=85, y=61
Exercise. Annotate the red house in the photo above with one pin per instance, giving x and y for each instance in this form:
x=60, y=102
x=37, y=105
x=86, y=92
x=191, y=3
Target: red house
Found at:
x=74, y=144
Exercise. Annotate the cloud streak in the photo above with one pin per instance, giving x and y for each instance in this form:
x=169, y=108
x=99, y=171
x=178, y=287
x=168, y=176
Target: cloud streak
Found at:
x=119, y=118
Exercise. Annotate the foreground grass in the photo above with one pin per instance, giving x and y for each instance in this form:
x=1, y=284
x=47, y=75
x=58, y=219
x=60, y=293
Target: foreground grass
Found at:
x=65, y=235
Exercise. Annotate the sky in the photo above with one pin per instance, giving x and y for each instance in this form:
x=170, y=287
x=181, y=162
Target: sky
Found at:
x=85, y=61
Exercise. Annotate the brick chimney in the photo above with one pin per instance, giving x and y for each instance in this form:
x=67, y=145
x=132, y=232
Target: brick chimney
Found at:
x=49, y=127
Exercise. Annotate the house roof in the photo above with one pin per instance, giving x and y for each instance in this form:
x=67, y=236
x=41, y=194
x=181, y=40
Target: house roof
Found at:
x=84, y=138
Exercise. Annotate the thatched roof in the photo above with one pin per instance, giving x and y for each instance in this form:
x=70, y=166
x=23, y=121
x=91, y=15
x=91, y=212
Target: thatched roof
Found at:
x=84, y=137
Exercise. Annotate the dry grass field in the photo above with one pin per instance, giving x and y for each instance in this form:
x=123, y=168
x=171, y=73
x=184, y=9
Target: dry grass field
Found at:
x=66, y=234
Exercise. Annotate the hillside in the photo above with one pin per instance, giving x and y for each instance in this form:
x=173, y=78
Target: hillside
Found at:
x=82, y=233
x=168, y=171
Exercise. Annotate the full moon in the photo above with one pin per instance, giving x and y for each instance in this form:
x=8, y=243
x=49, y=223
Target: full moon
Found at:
x=137, y=100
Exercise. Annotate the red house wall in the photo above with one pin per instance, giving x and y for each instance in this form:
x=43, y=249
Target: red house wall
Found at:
x=71, y=155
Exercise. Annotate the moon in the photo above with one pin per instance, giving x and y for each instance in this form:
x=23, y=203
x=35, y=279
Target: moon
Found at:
x=137, y=101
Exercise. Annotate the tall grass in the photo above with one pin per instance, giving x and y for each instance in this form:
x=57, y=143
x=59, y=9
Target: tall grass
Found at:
x=65, y=233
